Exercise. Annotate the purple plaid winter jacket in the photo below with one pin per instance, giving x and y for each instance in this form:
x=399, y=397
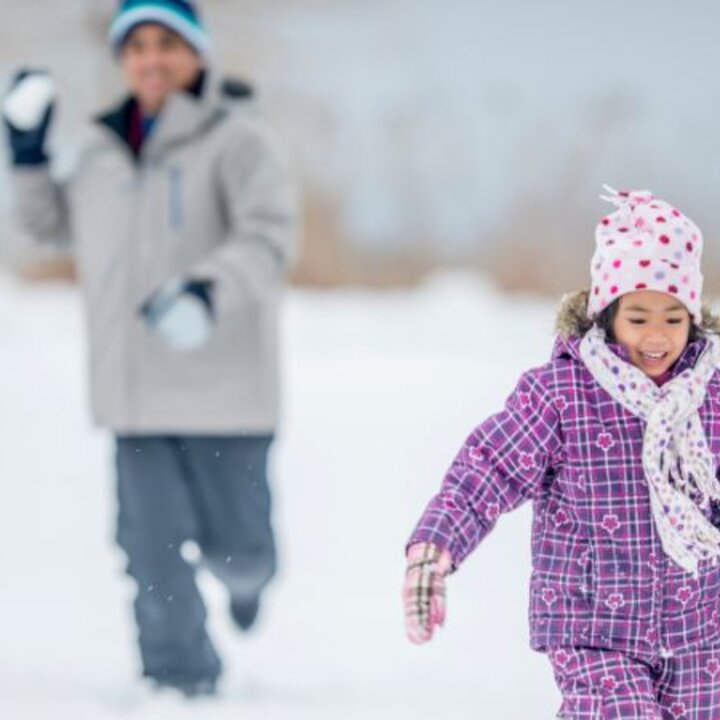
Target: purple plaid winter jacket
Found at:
x=600, y=577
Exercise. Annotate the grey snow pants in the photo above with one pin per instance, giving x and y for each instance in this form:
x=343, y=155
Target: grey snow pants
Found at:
x=214, y=491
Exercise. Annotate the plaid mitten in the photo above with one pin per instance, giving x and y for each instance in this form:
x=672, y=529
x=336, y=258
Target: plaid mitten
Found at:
x=424, y=590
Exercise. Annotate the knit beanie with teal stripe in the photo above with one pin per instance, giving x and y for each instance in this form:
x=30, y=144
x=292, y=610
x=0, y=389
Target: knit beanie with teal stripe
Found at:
x=180, y=16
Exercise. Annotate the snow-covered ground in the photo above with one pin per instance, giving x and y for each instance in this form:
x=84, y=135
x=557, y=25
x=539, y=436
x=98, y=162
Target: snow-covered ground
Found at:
x=381, y=391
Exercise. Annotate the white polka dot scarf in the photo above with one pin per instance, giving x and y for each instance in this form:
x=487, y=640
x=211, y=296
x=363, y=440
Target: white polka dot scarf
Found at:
x=679, y=467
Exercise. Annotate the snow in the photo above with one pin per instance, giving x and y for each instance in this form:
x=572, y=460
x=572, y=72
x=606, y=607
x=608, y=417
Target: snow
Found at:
x=381, y=389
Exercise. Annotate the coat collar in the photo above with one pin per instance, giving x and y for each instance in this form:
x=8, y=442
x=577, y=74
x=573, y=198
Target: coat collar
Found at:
x=185, y=114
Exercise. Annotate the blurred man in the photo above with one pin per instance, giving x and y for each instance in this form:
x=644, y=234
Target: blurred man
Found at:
x=180, y=215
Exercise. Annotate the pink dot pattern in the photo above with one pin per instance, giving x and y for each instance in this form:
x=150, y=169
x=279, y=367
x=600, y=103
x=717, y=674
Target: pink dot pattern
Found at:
x=646, y=244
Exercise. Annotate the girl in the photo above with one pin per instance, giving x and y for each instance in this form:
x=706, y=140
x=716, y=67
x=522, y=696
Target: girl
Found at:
x=616, y=442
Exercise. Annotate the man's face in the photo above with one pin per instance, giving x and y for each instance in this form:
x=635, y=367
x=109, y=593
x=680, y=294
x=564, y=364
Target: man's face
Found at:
x=157, y=62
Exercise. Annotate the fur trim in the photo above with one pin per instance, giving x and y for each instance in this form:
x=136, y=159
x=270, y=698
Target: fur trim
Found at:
x=572, y=319
x=710, y=320
x=572, y=316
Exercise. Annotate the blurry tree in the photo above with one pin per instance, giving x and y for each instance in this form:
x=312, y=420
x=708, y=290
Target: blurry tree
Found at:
x=469, y=132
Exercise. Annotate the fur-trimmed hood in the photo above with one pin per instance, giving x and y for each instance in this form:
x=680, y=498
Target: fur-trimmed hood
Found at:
x=572, y=319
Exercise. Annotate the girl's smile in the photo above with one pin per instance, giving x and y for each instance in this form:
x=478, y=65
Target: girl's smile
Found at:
x=654, y=328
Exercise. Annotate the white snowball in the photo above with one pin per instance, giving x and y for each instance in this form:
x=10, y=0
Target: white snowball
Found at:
x=26, y=104
x=186, y=325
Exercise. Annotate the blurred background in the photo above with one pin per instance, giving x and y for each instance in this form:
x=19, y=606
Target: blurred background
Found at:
x=449, y=151
x=439, y=132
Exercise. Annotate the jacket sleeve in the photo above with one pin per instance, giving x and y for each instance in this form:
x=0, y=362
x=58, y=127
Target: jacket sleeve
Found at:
x=501, y=465
x=41, y=204
x=257, y=196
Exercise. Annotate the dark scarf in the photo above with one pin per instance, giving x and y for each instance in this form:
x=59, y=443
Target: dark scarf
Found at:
x=129, y=124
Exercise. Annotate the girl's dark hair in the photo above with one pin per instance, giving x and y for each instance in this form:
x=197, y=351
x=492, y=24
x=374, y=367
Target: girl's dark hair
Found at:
x=606, y=319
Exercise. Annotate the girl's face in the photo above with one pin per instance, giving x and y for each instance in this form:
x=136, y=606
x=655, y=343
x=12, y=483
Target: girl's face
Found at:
x=654, y=327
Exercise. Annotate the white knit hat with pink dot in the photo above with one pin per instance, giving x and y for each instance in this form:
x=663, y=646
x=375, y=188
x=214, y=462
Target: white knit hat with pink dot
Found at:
x=646, y=244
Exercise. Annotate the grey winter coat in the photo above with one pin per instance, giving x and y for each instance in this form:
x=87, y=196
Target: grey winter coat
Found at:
x=208, y=198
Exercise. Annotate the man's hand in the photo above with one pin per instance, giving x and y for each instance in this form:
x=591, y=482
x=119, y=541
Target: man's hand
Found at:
x=27, y=111
x=181, y=314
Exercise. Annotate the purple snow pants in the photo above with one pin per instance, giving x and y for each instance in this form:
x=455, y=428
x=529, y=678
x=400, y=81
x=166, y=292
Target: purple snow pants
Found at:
x=608, y=685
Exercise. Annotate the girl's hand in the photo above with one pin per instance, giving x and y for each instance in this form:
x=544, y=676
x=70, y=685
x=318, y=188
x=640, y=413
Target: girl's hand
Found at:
x=424, y=590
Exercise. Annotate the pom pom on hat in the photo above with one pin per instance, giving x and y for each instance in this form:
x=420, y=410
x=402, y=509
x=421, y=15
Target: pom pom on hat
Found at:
x=645, y=244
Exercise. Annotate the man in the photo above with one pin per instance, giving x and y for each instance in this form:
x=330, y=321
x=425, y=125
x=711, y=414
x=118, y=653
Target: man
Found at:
x=181, y=218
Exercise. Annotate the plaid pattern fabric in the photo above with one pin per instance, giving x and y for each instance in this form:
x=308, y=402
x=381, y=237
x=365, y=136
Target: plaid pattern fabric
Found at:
x=600, y=577
x=679, y=467
x=424, y=590
x=609, y=685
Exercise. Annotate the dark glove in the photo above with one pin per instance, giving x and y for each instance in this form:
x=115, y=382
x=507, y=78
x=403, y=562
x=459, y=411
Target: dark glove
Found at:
x=27, y=144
